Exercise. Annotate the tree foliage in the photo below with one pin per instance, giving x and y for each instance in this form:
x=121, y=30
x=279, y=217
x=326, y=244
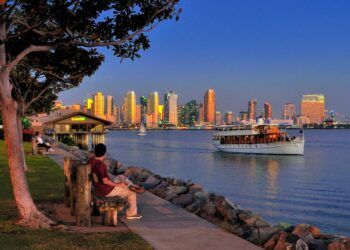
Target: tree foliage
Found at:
x=51, y=45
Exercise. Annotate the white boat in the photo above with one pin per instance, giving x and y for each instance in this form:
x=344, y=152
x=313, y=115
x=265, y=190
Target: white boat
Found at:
x=257, y=139
x=142, y=131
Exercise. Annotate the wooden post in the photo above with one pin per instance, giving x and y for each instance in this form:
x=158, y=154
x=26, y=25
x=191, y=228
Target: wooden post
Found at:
x=67, y=170
x=109, y=216
x=34, y=146
x=83, y=205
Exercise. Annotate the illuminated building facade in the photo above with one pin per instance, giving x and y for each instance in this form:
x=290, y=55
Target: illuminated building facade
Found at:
x=313, y=107
x=98, y=106
x=130, y=108
x=209, y=106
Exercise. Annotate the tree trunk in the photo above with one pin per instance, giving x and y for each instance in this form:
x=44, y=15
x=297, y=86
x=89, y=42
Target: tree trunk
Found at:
x=29, y=215
x=20, y=131
x=83, y=206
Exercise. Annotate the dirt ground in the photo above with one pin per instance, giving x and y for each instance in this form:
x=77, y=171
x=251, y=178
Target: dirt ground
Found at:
x=60, y=214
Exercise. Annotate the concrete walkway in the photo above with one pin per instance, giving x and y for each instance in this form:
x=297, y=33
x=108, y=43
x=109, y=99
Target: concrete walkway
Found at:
x=166, y=226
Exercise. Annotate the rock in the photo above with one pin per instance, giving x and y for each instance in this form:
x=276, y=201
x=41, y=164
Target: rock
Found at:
x=315, y=232
x=286, y=226
x=203, y=196
x=195, y=188
x=270, y=244
x=177, y=189
x=160, y=191
x=170, y=196
x=281, y=242
x=152, y=181
x=317, y=245
x=302, y=231
x=122, y=169
x=262, y=235
x=342, y=244
x=183, y=200
x=196, y=206
x=132, y=171
x=301, y=245
x=147, y=186
x=209, y=209
x=179, y=182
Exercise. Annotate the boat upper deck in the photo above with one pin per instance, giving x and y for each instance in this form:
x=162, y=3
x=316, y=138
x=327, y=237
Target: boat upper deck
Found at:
x=241, y=130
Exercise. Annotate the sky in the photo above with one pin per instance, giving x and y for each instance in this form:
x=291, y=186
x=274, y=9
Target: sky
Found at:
x=270, y=50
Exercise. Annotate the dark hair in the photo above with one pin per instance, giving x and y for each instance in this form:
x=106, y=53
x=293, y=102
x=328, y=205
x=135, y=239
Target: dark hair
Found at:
x=37, y=133
x=100, y=150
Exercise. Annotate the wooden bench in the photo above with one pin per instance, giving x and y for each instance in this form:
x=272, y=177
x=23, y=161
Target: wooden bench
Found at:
x=36, y=149
x=80, y=199
x=108, y=207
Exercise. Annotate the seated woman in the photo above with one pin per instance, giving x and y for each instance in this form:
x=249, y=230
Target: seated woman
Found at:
x=41, y=142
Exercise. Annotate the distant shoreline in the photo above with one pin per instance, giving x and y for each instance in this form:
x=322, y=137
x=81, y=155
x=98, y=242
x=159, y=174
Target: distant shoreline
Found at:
x=196, y=129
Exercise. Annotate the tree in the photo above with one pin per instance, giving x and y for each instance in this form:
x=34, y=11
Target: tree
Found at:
x=49, y=46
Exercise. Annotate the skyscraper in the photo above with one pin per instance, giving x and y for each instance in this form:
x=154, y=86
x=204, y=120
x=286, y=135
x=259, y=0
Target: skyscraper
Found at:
x=313, y=107
x=243, y=115
x=98, y=105
x=189, y=114
x=218, y=118
x=138, y=114
x=228, y=117
x=267, y=110
x=109, y=105
x=152, y=109
x=130, y=108
x=161, y=112
x=201, y=112
x=252, y=106
x=209, y=106
x=170, y=108
x=289, y=111
x=116, y=113
x=143, y=103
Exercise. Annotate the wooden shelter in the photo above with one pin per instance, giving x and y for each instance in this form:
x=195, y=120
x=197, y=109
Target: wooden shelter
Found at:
x=86, y=129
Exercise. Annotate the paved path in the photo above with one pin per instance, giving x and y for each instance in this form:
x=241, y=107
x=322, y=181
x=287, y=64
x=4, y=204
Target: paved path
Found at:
x=166, y=226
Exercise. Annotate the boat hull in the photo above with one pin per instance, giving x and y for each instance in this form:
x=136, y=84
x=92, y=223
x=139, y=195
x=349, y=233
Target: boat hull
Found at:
x=285, y=148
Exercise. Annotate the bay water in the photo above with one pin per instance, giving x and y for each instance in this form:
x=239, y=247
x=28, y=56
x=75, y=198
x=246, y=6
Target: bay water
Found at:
x=314, y=188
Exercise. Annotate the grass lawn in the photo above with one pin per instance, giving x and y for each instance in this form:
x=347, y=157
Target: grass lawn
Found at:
x=46, y=184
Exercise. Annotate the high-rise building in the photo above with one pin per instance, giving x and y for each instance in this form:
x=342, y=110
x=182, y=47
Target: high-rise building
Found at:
x=109, y=105
x=201, y=112
x=170, y=108
x=89, y=103
x=267, y=110
x=161, y=112
x=313, y=107
x=189, y=114
x=57, y=104
x=218, y=118
x=98, y=106
x=289, y=111
x=130, y=108
x=209, y=106
x=152, y=109
x=252, y=107
x=138, y=114
x=243, y=115
x=143, y=103
x=228, y=117
x=75, y=107
x=116, y=113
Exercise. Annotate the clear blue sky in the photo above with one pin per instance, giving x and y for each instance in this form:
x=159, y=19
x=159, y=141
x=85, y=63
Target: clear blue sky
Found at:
x=271, y=50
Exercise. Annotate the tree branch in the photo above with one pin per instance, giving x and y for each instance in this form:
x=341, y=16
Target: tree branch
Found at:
x=27, y=105
x=25, y=52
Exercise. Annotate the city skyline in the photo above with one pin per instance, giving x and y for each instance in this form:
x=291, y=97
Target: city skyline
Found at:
x=278, y=66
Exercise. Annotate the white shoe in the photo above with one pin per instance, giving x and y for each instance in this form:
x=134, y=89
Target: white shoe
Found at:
x=134, y=217
x=51, y=149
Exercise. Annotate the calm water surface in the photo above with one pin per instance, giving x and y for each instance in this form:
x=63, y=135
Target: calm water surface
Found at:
x=314, y=188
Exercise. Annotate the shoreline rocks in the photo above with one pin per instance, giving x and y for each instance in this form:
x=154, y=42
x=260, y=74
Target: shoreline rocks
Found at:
x=222, y=212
